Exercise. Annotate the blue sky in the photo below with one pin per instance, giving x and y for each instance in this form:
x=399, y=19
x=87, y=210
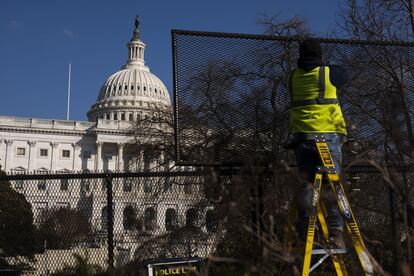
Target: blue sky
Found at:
x=38, y=39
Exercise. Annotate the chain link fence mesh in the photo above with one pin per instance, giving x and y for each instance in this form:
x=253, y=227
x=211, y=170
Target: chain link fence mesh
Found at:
x=238, y=214
x=155, y=215
x=232, y=103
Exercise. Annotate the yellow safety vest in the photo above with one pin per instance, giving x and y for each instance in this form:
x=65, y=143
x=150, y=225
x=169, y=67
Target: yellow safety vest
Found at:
x=314, y=104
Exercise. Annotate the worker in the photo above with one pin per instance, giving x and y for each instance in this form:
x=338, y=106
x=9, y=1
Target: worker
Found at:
x=315, y=110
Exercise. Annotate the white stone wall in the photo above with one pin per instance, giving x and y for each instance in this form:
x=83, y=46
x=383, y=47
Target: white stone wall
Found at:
x=81, y=139
x=93, y=147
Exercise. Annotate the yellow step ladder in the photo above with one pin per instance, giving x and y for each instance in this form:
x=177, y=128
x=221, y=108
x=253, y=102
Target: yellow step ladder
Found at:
x=318, y=212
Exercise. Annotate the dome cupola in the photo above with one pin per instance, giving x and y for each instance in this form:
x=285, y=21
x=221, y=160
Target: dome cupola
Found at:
x=133, y=92
x=136, y=50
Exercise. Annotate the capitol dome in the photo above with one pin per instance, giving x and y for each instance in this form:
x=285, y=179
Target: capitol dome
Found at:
x=133, y=92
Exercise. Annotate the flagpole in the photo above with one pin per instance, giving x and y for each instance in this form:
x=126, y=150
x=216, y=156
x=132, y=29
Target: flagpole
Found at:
x=68, y=109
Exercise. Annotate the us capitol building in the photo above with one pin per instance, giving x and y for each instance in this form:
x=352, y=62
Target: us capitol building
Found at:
x=40, y=145
x=100, y=144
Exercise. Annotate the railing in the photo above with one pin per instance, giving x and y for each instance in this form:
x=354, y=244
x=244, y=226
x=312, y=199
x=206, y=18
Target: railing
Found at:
x=44, y=123
x=182, y=214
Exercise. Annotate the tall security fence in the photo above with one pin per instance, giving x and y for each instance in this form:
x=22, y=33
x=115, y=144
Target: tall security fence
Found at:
x=231, y=107
x=120, y=221
x=105, y=219
x=232, y=103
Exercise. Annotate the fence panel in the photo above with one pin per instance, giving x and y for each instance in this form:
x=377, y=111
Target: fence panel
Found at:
x=237, y=213
x=232, y=103
x=109, y=220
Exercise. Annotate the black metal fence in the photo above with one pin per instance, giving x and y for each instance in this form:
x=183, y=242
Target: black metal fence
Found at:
x=108, y=219
x=118, y=221
x=231, y=101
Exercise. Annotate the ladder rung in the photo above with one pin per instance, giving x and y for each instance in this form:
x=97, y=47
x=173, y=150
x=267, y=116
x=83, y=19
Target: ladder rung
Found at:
x=323, y=251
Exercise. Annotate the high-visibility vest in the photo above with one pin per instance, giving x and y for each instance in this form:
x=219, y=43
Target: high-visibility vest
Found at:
x=314, y=104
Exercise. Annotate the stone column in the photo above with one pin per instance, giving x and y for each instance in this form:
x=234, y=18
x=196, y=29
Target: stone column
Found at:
x=153, y=160
x=77, y=158
x=54, y=156
x=141, y=153
x=98, y=161
x=120, y=157
x=161, y=161
x=32, y=156
x=160, y=209
x=9, y=155
x=118, y=217
x=97, y=206
x=2, y=155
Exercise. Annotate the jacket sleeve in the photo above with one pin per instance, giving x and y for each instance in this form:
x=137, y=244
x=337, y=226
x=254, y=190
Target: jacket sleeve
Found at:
x=338, y=76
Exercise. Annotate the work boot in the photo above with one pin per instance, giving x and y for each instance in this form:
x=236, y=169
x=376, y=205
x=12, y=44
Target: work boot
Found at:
x=336, y=239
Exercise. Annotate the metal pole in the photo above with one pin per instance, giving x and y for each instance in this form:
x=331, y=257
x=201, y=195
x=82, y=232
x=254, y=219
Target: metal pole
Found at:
x=110, y=216
x=175, y=89
x=68, y=107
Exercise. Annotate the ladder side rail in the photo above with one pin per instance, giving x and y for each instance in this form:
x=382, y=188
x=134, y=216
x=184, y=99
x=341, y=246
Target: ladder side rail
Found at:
x=337, y=260
x=351, y=224
x=312, y=223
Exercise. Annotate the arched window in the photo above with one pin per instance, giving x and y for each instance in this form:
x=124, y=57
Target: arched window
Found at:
x=127, y=184
x=129, y=219
x=167, y=180
x=64, y=184
x=41, y=184
x=187, y=188
x=85, y=185
x=170, y=219
x=19, y=183
x=147, y=160
x=104, y=218
x=147, y=183
x=130, y=117
x=149, y=219
x=191, y=218
x=211, y=221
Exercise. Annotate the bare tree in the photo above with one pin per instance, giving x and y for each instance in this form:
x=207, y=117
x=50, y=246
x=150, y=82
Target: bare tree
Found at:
x=386, y=97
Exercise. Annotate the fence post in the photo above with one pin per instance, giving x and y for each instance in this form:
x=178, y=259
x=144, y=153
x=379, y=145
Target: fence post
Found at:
x=110, y=217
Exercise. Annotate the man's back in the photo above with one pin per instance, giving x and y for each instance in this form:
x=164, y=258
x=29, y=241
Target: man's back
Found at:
x=314, y=103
